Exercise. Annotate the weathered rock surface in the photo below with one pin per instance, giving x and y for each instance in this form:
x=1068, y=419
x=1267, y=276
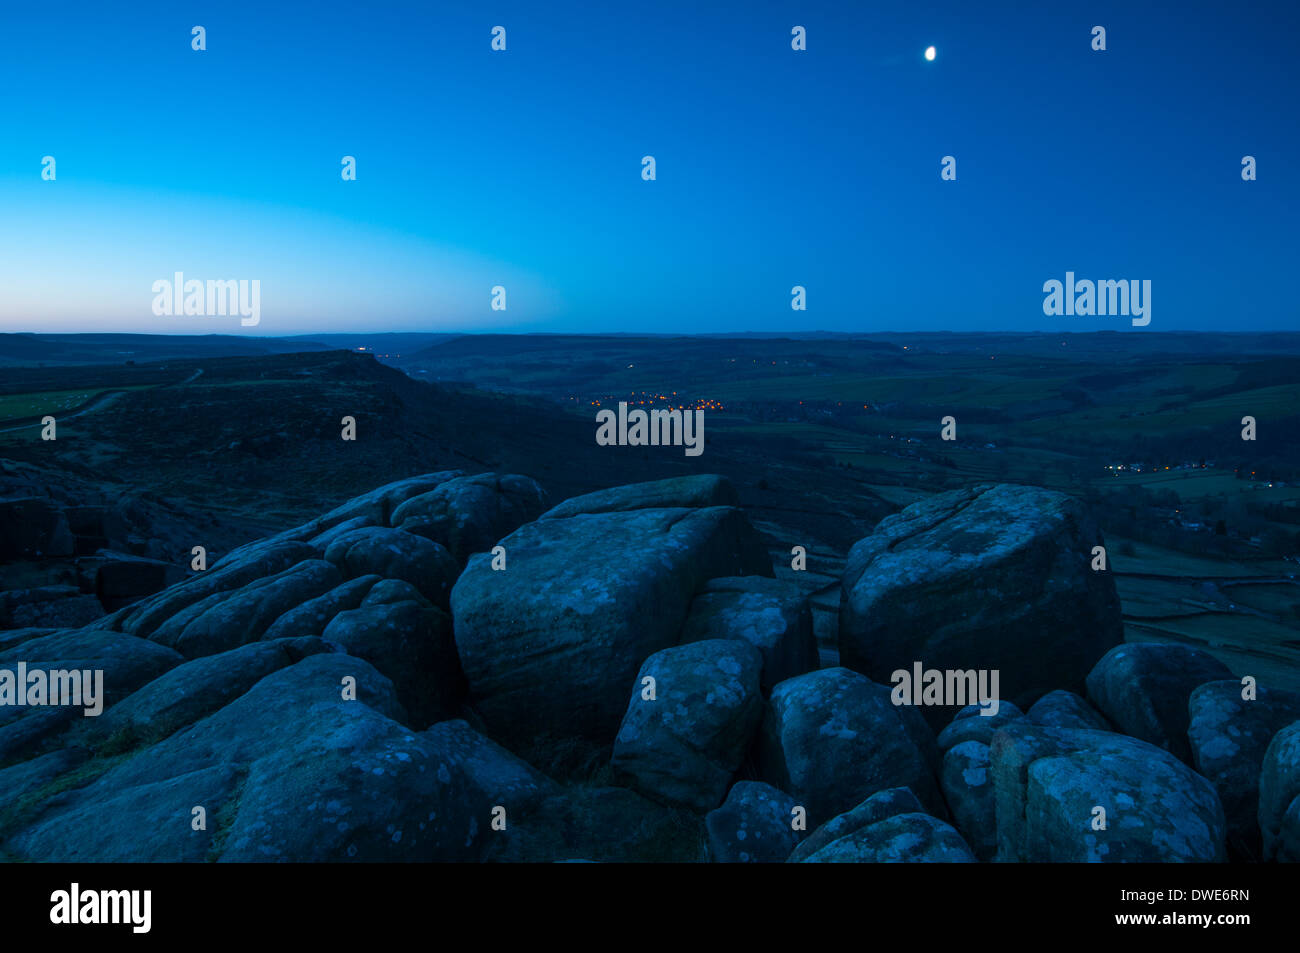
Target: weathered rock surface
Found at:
x=772, y=616
x=1062, y=709
x=602, y=824
x=469, y=514
x=126, y=662
x=881, y=805
x=191, y=691
x=995, y=577
x=692, y=492
x=683, y=745
x=968, y=789
x=311, y=617
x=754, y=825
x=236, y=570
x=1050, y=782
x=410, y=641
x=279, y=772
x=832, y=738
x=970, y=724
x=1279, y=796
x=394, y=554
x=1143, y=689
x=903, y=838
x=1228, y=737
x=552, y=643
x=224, y=621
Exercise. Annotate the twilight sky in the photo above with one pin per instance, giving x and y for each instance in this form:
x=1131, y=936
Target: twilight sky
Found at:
x=523, y=168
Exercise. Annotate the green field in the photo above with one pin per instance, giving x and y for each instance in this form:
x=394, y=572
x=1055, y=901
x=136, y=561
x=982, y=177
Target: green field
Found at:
x=17, y=406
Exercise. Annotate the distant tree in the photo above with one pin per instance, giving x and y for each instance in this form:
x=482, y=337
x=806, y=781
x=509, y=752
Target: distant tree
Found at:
x=1220, y=528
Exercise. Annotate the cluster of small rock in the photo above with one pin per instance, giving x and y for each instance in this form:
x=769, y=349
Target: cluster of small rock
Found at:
x=444, y=669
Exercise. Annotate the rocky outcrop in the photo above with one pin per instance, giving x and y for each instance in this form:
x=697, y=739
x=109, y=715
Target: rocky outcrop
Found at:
x=991, y=578
x=772, y=616
x=880, y=806
x=395, y=554
x=623, y=679
x=888, y=827
x=1143, y=689
x=1279, y=796
x=469, y=514
x=224, y=620
x=692, y=492
x=691, y=719
x=968, y=789
x=126, y=663
x=277, y=773
x=409, y=640
x=552, y=643
x=754, y=825
x=1229, y=735
x=1062, y=709
x=970, y=724
x=191, y=691
x=1080, y=795
x=832, y=738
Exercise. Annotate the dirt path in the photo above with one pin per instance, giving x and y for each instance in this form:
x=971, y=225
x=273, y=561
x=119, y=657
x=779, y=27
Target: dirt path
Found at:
x=98, y=402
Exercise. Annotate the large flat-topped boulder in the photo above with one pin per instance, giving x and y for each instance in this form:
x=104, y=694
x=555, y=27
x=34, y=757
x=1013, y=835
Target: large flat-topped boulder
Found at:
x=552, y=643
x=990, y=578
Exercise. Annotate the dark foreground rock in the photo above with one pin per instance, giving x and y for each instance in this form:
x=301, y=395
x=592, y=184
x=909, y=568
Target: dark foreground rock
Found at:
x=754, y=825
x=603, y=824
x=552, y=643
x=1279, y=797
x=968, y=788
x=1097, y=796
x=690, y=492
x=770, y=615
x=125, y=661
x=903, y=838
x=1061, y=709
x=1228, y=736
x=881, y=805
x=1143, y=689
x=691, y=719
x=278, y=774
x=469, y=514
x=991, y=578
x=832, y=738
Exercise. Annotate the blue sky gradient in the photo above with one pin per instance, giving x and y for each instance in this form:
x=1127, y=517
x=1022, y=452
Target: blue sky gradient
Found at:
x=522, y=168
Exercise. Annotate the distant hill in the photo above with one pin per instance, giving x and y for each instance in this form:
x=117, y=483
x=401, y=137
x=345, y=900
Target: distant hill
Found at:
x=38, y=349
